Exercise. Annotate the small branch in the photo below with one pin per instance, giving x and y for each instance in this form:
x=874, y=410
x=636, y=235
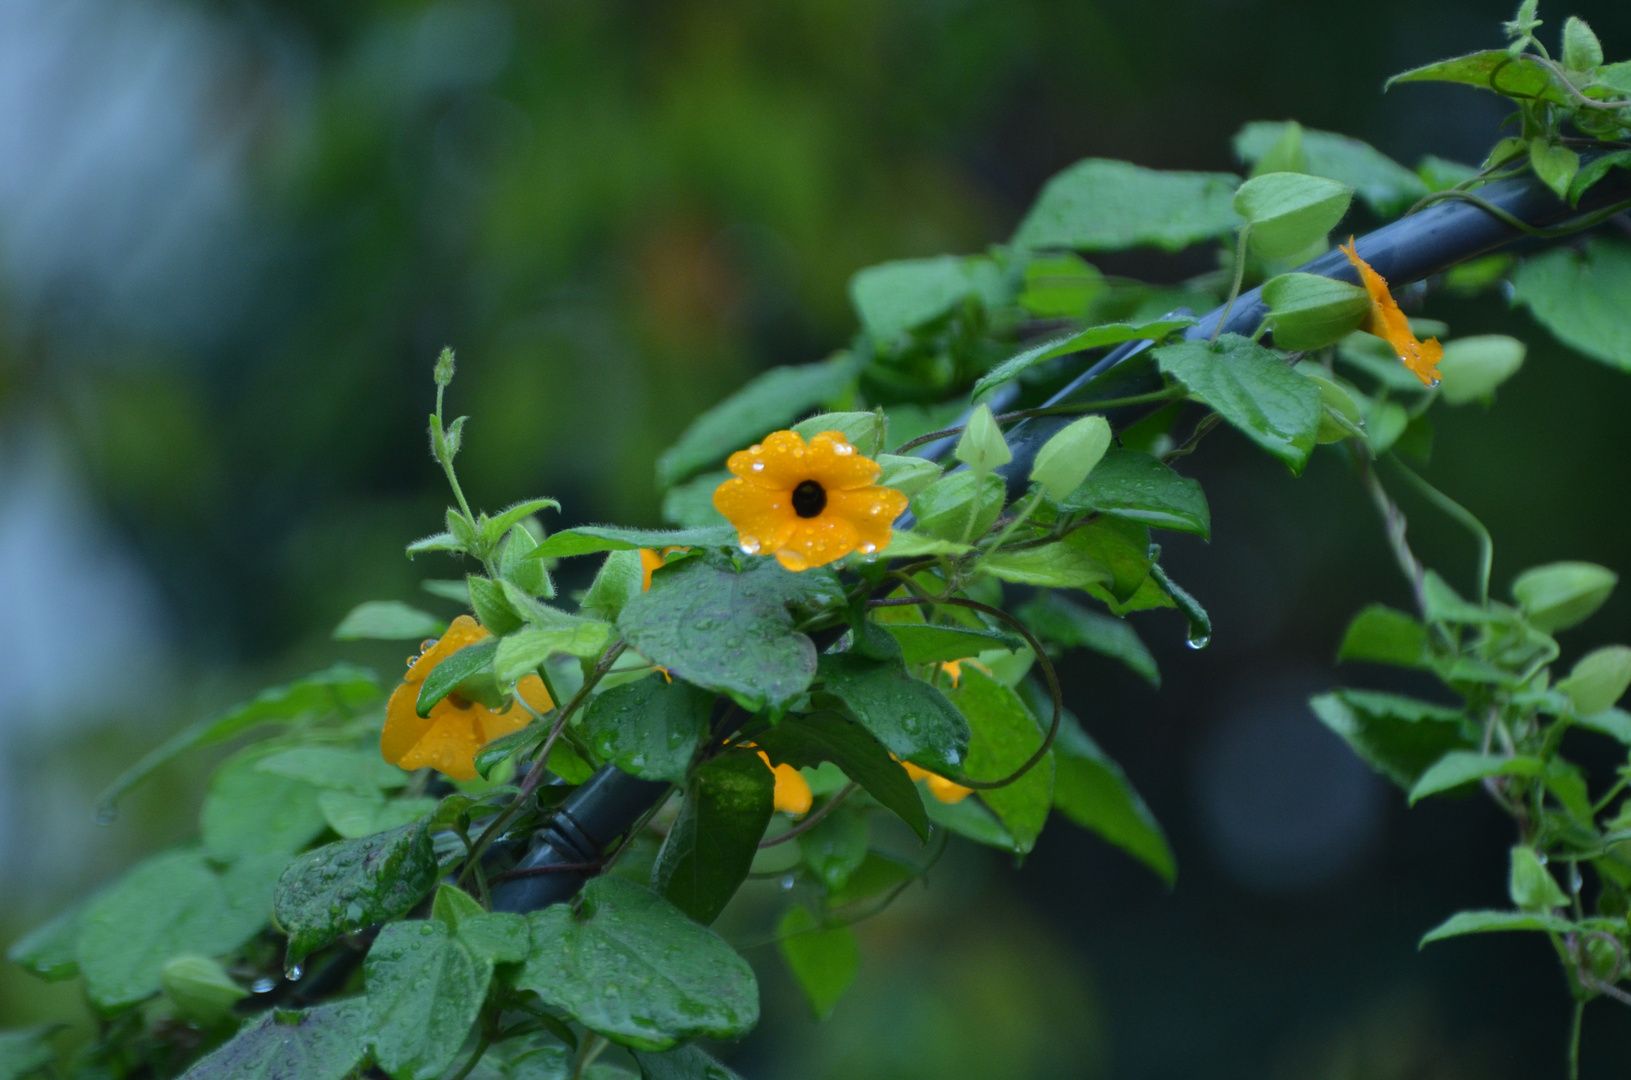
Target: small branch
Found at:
x=810, y=822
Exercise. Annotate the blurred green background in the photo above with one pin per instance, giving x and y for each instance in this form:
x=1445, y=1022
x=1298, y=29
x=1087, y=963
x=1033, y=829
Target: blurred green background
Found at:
x=233, y=236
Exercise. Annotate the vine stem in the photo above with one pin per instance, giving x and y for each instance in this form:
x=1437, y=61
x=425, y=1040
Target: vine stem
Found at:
x=475, y=1058
x=810, y=822
x=1574, y=1039
x=1393, y=522
x=1168, y=394
x=1486, y=543
x=1240, y=276
x=1041, y=658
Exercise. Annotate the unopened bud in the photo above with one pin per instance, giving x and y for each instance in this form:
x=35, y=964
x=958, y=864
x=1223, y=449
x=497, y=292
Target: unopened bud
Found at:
x=1065, y=460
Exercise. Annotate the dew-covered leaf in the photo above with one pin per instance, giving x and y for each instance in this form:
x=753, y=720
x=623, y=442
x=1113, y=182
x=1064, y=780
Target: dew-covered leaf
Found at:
x=1101, y=205
x=710, y=847
x=650, y=728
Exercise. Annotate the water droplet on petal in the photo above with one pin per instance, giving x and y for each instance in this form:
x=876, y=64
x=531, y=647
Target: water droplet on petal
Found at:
x=1435, y=382
x=868, y=547
x=757, y=466
x=843, y=448
x=750, y=545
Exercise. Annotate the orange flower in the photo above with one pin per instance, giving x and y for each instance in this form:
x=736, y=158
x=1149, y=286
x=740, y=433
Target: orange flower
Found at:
x=652, y=559
x=807, y=503
x=793, y=794
x=1386, y=321
x=945, y=790
x=447, y=739
x=954, y=668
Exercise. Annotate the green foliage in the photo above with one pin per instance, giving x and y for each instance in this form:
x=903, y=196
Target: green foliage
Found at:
x=1385, y=185
x=344, y=887
x=1004, y=738
x=1288, y=211
x=455, y=669
x=1066, y=459
x=49, y=951
x=895, y=297
x=770, y=401
x=823, y=737
x=1560, y=595
x=426, y=984
x=1399, y=737
x=710, y=848
x=1063, y=623
x=1307, y=311
x=824, y=960
x=1251, y=388
x=651, y=728
x=626, y=964
x=1579, y=297
x=686, y=1063
x=728, y=629
x=1483, y=922
x=1099, y=205
x=912, y=719
x=588, y=539
x=1137, y=487
x=24, y=1052
x=945, y=508
x=388, y=620
x=1474, y=366
x=1092, y=791
x=171, y=905
x=324, y=1043
x=1094, y=337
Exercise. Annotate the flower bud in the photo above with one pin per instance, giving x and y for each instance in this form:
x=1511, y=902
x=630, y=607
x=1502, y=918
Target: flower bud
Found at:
x=1307, y=311
x=1289, y=211
x=1560, y=595
x=1065, y=460
x=1474, y=366
x=200, y=988
x=1599, y=679
x=982, y=447
x=1581, y=49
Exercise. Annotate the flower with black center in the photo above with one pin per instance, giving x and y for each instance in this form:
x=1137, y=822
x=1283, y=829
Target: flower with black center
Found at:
x=1386, y=321
x=447, y=739
x=808, y=504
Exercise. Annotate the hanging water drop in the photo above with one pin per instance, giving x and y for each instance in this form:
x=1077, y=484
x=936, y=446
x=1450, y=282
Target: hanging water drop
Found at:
x=293, y=972
x=262, y=985
x=1198, y=639
x=787, y=881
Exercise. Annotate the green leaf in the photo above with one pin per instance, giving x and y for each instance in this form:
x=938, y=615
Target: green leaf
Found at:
x=921, y=643
x=686, y=1063
x=349, y=885
x=1092, y=791
x=520, y=654
x=650, y=728
x=335, y=767
x=1483, y=922
x=1094, y=337
x=200, y=989
x=972, y=819
x=904, y=543
x=166, y=906
x=442, y=541
x=425, y=989
x=769, y=402
x=806, y=741
x=729, y=631
x=1599, y=679
x=1518, y=77
x=1100, y=205
x=836, y=845
x=1057, y=565
x=452, y=670
x=1053, y=618
x=824, y=959
x=1596, y=168
x=1474, y=366
x=1531, y=886
x=1060, y=286
x=1138, y=487
x=1253, y=390
x=1460, y=767
x=623, y=962
x=912, y=719
x=1200, y=623
x=24, y=1052
x=895, y=297
x=691, y=504
x=251, y=812
x=1290, y=211
x=621, y=578
x=518, y=570
x=324, y=1043
x=1563, y=594
x=49, y=950
x=494, y=528
x=1385, y=636
x=1554, y=163
x=1386, y=186
x=868, y=432
x=341, y=689
x=453, y=589
x=589, y=539
x=1004, y=737
x=876, y=875
x=492, y=607
x=1308, y=311
x=1399, y=737
x=943, y=507
x=388, y=620
x=907, y=475
x=352, y=815
x=1070, y=455
x=1123, y=548
x=1581, y=298
x=1615, y=723
x=711, y=845
x=982, y=446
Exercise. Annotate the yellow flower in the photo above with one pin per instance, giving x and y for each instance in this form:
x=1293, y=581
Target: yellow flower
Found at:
x=652, y=559
x=954, y=668
x=449, y=737
x=1386, y=321
x=945, y=790
x=793, y=794
x=807, y=503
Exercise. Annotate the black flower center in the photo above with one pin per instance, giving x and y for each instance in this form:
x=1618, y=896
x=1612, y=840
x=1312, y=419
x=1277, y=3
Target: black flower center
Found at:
x=809, y=499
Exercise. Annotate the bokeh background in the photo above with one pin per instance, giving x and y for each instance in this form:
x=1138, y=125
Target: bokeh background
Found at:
x=233, y=236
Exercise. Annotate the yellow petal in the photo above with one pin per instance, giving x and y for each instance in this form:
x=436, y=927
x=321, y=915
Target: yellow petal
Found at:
x=835, y=464
x=763, y=518
x=463, y=631
x=793, y=794
x=450, y=744
x=1386, y=321
x=404, y=727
